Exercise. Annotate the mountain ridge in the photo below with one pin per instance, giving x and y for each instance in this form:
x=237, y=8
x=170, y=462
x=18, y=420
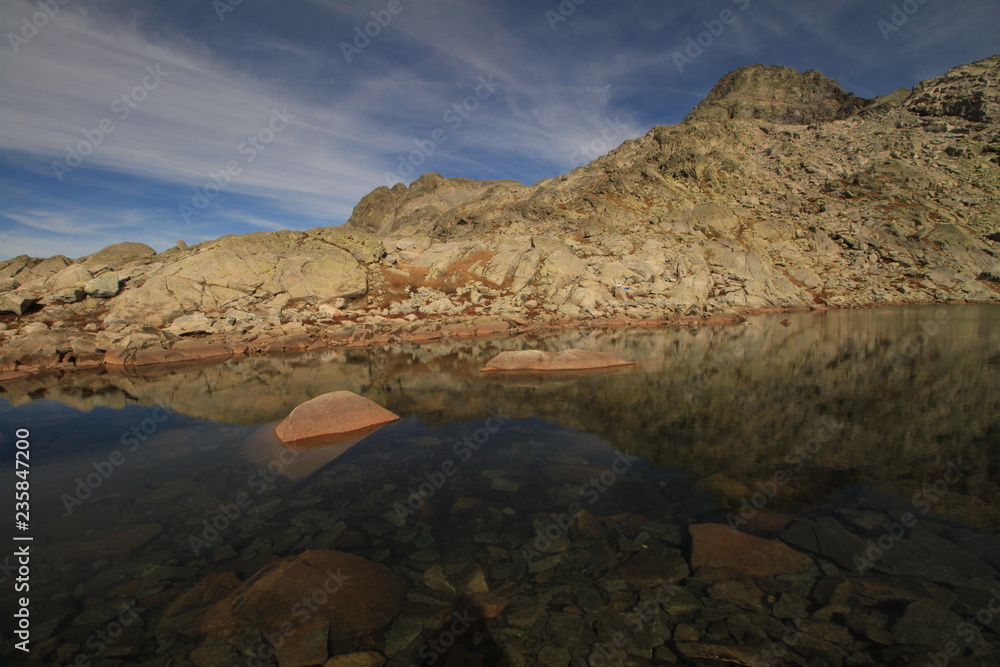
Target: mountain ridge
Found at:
x=779, y=190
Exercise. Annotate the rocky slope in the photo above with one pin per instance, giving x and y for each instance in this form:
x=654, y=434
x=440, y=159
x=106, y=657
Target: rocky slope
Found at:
x=780, y=190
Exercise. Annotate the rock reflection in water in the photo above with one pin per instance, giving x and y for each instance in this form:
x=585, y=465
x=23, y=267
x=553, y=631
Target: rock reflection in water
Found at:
x=576, y=520
x=908, y=389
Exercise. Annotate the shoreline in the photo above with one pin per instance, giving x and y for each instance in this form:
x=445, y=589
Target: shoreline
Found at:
x=215, y=348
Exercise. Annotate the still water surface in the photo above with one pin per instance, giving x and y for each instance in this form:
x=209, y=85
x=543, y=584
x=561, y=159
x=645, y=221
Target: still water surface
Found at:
x=866, y=441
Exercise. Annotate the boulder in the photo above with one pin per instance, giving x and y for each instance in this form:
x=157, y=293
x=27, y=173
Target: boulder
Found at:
x=190, y=324
x=568, y=360
x=44, y=269
x=8, y=284
x=73, y=276
x=356, y=596
x=103, y=286
x=38, y=349
x=117, y=255
x=333, y=414
x=17, y=266
x=195, y=350
x=65, y=295
x=17, y=303
x=718, y=546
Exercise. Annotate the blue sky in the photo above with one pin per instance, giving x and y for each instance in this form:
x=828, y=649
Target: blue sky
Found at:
x=155, y=121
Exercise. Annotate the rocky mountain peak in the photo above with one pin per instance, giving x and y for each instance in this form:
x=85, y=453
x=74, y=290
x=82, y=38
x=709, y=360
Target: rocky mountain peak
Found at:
x=408, y=208
x=776, y=94
x=968, y=91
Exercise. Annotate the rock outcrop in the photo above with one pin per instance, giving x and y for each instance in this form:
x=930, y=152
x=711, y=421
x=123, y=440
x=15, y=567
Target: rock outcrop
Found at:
x=780, y=190
x=778, y=95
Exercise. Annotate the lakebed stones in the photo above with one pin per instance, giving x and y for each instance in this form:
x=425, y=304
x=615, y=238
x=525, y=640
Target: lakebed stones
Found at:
x=355, y=596
x=335, y=414
x=568, y=360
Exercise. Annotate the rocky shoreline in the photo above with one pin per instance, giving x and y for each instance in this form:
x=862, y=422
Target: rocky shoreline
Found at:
x=57, y=350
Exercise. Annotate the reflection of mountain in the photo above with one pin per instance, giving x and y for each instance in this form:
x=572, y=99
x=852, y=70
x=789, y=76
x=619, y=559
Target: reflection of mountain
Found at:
x=914, y=388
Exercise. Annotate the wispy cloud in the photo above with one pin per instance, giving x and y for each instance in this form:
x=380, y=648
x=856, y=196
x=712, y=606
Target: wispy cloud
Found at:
x=558, y=97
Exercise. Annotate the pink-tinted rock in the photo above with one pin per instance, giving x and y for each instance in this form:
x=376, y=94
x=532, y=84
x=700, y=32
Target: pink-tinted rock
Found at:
x=714, y=545
x=568, y=360
x=196, y=349
x=356, y=596
x=336, y=413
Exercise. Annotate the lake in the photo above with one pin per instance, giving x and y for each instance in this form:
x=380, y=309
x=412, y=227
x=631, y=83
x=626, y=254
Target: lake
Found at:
x=815, y=488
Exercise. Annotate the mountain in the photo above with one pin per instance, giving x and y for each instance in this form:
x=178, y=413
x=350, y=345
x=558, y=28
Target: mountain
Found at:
x=779, y=190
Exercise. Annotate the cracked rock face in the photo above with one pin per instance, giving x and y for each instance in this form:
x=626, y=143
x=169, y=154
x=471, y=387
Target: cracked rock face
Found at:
x=239, y=271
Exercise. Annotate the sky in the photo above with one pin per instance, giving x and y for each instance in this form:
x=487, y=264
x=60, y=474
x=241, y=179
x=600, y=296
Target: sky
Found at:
x=161, y=120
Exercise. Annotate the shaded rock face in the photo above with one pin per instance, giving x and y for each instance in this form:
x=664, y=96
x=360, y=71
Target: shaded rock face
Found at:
x=776, y=94
x=537, y=360
x=357, y=597
x=336, y=413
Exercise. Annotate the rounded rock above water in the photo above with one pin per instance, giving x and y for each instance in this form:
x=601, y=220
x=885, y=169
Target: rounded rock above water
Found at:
x=333, y=414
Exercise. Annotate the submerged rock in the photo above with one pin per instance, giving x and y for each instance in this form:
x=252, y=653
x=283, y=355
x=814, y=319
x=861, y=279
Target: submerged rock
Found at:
x=715, y=545
x=568, y=360
x=356, y=596
x=336, y=413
